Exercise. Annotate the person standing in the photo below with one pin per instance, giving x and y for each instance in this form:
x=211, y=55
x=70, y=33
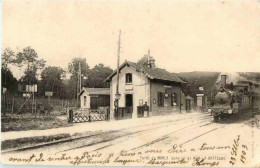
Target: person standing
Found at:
x=146, y=110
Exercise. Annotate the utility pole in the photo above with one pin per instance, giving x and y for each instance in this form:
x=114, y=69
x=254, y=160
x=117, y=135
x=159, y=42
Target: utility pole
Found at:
x=118, y=59
x=148, y=56
x=79, y=77
x=117, y=95
x=180, y=97
x=78, y=83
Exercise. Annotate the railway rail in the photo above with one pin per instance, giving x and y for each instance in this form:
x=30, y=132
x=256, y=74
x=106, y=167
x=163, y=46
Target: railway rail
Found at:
x=129, y=132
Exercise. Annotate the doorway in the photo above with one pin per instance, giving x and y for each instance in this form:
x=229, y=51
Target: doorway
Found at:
x=93, y=103
x=125, y=112
x=129, y=100
x=188, y=105
x=129, y=103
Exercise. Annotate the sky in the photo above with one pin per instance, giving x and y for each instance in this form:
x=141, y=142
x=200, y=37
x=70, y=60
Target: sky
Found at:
x=182, y=36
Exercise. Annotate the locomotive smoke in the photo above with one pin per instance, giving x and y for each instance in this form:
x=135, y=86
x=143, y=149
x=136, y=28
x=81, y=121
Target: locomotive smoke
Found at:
x=234, y=77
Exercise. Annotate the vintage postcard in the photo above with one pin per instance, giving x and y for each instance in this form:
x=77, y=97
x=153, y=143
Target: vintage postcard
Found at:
x=130, y=83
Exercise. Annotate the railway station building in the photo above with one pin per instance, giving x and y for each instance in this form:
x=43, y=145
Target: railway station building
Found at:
x=144, y=84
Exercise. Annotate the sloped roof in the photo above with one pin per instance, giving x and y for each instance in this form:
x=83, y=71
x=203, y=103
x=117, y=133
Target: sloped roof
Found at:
x=96, y=91
x=189, y=97
x=152, y=73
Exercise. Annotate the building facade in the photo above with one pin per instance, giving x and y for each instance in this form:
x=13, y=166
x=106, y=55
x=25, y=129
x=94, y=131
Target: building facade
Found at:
x=94, y=98
x=143, y=83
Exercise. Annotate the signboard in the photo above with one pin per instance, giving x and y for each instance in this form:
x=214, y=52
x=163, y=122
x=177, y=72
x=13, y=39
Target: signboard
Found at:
x=26, y=94
x=48, y=93
x=31, y=88
x=128, y=87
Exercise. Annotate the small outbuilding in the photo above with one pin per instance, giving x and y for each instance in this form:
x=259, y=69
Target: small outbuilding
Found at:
x=93, y=98
x=189, y=103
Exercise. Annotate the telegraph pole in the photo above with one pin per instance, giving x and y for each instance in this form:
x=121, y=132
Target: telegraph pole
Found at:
x=118, y=59
x=79, y=77
x=78, y=83
x=117, y=95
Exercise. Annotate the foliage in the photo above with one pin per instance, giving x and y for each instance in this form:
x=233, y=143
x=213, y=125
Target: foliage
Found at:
x=197, y=79
x=51, y=78
x=74, y=70
x=39, y=123
x=30, y=77
x=19, y=59
x=29, y=57
x=74, y=67
x=250, y=75
x=97, y=76
x=8, y=80
x=29, y=141
x=8, y=57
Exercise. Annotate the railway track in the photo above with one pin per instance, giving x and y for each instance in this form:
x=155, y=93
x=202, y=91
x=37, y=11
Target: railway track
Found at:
x=110, y=142
x=104, y=145
x=201, y=119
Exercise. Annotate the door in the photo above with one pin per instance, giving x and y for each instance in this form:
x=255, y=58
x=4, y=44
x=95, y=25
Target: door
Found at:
x=129, y=100
x=93, y=103
x=188, y=105
x=128, y=106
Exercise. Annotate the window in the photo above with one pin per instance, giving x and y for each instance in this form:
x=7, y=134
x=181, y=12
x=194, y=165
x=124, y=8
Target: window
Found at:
x=85, y=100
x=160, y=99
x=173, y=99
x=245, y=91
x=128, y=78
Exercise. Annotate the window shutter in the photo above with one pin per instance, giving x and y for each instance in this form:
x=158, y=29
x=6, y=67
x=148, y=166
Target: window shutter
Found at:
x=176, y=98
x=159, y=100
x=171, y=99
x=162, y=97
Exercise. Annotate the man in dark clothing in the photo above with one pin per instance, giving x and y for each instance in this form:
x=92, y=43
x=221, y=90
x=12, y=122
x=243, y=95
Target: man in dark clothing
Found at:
x=146, y=109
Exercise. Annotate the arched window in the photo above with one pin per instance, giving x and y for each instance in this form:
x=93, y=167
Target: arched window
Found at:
x=85, y=100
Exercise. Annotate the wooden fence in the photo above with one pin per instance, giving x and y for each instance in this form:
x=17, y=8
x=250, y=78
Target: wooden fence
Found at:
x=89, y=115
x=11, y=105
x=123, y=113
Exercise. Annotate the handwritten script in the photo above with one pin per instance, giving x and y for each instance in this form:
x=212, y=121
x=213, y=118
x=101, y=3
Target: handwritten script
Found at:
x=204, y=155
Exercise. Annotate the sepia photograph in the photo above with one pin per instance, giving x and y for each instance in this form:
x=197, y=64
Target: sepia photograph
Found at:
x=130, y=83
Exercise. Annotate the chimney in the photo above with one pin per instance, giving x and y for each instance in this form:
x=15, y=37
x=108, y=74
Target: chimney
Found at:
x=223, y=80
x=150, y=60
x=152, y=64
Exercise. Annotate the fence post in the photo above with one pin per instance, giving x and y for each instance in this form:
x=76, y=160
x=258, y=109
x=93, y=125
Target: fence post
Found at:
x=89, y=118
x=70, y=120
x=108, y=114
x=13, y=106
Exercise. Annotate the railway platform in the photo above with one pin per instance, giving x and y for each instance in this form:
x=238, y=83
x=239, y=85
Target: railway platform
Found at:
x=93, y=128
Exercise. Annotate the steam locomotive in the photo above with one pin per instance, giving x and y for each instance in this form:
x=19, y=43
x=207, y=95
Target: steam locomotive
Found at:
x=229, y=102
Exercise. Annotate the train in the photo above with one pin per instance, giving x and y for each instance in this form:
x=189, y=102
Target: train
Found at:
x=230, y=101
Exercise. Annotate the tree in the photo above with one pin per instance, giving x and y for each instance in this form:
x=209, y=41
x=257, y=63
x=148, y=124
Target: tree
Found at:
x=97, y=76
x=51, y=78
x=19, y=61
x=74, y=70
x=7, y=58
x=29, y=57
x=74, y=67
x=10, y=80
